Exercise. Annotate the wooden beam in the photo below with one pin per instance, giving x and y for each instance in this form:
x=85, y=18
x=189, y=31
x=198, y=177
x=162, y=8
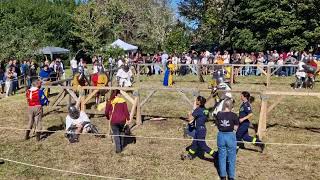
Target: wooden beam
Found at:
x=268, y=76
x=56, y=99
x=185, y=98
x=262, y=126
x=90, y=96
x=127, y=96
x=292, y=93
x=232, y=75
x=72, y=94
x=148, y=97
x=60, y=98
x=278, y=100
x=262, y=70
x=139, y=119
x=133, y=109
x=274, y=71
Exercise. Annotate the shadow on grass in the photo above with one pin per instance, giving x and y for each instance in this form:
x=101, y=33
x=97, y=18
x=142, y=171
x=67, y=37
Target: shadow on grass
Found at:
x=312, y=129
x=45, y=135
x=56, y=111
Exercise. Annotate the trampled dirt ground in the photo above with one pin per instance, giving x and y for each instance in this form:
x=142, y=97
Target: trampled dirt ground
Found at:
x=295, y=120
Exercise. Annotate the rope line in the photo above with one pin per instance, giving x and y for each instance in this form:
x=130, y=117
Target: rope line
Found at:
x=65, y=171
x=167, y=138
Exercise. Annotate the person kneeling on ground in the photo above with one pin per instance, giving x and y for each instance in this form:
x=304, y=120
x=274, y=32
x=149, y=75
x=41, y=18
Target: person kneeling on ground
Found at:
x=200, y=117
x=76, y=123
x=118, y=114
x=36, y=100
x=227, y=123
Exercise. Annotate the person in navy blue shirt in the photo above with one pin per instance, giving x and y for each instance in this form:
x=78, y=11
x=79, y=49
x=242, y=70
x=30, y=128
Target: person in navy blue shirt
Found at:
x=45, y=73
x=200, y=116
x=245, y=113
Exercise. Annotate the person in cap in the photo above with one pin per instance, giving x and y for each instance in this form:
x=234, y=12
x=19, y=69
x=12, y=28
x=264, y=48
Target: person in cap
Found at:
x=199, y=115
x=36, y=100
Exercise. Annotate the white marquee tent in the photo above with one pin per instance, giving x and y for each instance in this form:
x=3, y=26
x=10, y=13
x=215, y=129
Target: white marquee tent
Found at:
x=125, y=46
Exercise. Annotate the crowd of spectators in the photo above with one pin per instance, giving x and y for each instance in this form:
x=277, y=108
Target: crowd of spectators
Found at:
x=14, y=73
x=191, y=59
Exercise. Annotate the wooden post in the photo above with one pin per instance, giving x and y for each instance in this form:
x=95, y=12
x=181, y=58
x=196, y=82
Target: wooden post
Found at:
x=232, y=75
x=139, y=120
x=138, y=75
x=262, y=126
x=268, y=76
x=133, y=109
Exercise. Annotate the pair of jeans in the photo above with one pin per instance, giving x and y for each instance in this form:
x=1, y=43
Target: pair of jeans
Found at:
x=227, y=151
x=289, y=71
x=117, y=129
x=157, y=69
x=248, y=71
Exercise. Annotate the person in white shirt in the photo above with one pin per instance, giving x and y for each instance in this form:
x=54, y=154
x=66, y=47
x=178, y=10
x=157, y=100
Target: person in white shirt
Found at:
x=76, y=119
x=260, y=61
x=120, y=63
x=226, y=57
x=124, y=75
x=74, y=66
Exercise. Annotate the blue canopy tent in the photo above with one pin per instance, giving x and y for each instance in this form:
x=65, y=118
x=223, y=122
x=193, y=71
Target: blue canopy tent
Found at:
x=125, y=46
x=53, y=50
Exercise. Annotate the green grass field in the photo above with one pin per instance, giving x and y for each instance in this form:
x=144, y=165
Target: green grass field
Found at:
x=294, y=120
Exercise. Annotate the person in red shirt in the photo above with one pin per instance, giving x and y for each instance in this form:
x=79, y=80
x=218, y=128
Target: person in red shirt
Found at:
x=36, y=100
x=118, y=114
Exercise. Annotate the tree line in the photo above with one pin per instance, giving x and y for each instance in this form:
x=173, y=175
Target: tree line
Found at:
x=27, y=25
x=254, y=25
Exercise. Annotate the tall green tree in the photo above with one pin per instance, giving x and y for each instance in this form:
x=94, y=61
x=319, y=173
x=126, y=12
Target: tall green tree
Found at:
x=26, y=25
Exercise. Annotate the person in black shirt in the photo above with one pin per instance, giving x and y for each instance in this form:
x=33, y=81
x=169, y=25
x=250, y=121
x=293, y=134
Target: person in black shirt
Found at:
x=227, y=122
x=245, y=113
x=199, y=115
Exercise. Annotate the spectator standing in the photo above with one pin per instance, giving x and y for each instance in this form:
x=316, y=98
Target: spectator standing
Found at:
x=260, y=61
x=164, y=60
x=227, y=123
x=9, y=76
x=226, y=57
x=2, y=80
x=23, y=70
x=32, y=73
x=74, y=66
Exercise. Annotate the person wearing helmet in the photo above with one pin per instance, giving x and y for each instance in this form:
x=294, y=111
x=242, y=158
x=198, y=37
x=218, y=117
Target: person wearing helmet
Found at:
x=218, y=91
x=124, y=76
x=76, y=122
